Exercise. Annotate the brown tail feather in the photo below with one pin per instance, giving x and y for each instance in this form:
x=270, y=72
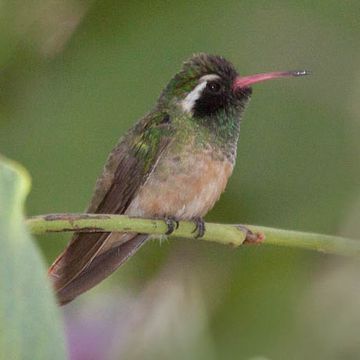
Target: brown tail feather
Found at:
x=82, y=248
x=98, y=268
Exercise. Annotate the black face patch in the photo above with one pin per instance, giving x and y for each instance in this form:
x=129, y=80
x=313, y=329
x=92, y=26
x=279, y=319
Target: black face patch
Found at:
x=215, y=96
x=218, y=95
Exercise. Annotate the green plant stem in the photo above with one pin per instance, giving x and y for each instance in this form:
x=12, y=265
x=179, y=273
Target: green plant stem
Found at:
x=234, y=235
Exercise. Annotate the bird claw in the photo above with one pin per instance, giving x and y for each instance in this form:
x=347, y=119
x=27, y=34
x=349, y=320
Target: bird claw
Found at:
x=199, y=227
x=172, y=224
x=251, y=237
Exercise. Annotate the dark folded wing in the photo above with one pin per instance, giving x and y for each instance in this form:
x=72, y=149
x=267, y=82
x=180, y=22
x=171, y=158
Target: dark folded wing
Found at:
x=126, y=169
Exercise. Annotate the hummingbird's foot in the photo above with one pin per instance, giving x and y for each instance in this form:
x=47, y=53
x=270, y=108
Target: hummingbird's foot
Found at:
x=251, y=237
x=199, y=227
x=172, y=224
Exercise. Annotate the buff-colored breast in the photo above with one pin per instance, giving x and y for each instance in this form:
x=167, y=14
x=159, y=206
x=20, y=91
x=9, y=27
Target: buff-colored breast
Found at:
x=184, y=186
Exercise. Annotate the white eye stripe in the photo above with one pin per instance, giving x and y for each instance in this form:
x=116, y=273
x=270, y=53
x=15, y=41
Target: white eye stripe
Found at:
x=189, y=101
x=209, y=77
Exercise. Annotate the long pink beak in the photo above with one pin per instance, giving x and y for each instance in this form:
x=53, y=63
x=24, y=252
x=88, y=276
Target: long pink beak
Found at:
x=246, y=81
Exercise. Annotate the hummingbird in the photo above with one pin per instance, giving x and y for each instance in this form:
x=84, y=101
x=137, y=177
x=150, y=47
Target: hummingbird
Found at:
x=173, y=164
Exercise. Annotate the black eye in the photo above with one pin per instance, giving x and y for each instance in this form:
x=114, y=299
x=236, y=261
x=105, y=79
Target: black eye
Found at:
x=214, y=87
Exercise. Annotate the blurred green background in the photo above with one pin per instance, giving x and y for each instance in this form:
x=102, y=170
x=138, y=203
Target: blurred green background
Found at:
x=76, y=74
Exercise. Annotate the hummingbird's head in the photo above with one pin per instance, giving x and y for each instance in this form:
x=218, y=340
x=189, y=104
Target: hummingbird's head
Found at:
x=209, y=86
x=205, y=87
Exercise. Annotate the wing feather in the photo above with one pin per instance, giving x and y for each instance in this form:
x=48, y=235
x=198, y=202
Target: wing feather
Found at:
x=126, y=169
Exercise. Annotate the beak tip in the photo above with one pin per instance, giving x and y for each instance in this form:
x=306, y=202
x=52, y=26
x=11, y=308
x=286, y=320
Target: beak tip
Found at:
x=300, y=72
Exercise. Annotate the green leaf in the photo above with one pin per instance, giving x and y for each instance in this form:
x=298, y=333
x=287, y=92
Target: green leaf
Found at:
x=30, y=326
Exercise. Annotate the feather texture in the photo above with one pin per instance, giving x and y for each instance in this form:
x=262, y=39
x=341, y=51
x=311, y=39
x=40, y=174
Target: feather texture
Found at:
x=82, y=263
